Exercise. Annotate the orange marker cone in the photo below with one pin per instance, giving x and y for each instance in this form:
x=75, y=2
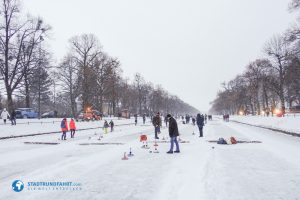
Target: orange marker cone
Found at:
x=125, y=157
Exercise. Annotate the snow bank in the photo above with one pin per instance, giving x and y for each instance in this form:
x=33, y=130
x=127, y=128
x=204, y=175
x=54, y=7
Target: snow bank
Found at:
x=37, y=126
x=289, y=123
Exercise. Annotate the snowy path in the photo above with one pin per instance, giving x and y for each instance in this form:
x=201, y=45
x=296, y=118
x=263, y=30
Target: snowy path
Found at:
x=269, y=170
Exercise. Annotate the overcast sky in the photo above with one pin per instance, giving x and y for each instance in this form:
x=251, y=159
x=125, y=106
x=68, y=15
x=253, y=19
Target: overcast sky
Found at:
x=188, y=47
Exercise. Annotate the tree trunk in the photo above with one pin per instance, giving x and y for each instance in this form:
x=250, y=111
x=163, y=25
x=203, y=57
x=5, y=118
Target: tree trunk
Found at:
x=266, y=97
x=10, y=105
x=27, y=95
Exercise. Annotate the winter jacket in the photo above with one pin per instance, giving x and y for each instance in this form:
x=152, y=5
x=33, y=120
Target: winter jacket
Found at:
x=105, y=125
x=64, y=125
x=173, y=128
x=156, y=121
x=200, y=120
x=13, y=115
x=4, y=114
x=111, y=123
x=72, y=125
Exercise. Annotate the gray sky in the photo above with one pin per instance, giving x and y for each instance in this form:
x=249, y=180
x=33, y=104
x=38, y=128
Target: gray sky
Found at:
x=188, y=46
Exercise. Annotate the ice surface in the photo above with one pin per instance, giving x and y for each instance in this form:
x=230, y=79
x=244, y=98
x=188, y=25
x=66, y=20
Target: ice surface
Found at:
x=269, y=170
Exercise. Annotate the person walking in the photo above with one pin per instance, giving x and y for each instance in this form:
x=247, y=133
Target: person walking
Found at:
x=64, y=128
x=105, y=126
x=173, y=133
x=5, y=115
x=166, y=120
x=72, y=127
x=144, y=118
x=111, y=123
x=157, y=124
x=13, y=117
x=200, y=124
x=135, y=119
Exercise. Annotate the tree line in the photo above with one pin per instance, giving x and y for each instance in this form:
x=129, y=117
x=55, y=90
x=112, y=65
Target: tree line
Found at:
x=269, y=83
x=87, y=76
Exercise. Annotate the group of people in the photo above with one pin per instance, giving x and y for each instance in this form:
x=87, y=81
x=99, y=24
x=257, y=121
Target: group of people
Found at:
x=107, y=125
x=65, y=128
x=136, y=119
x=200, y=120
x=173, y=130
x=156, y=121
x=6, y=116
x=226, y=117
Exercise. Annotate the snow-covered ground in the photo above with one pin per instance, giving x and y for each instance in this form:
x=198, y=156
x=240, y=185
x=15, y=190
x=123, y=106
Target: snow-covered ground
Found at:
x=289, y=123
x=267, y=170
x=35, y=126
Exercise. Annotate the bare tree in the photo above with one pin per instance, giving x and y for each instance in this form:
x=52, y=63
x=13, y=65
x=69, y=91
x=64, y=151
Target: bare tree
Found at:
x=68, y=75
x=294, y=5
x=279, y=54
x=16, y=39
x=85, y=49
x=138, y=83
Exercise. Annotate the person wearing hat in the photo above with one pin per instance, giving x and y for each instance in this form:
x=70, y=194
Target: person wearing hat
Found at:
x=157, y=124
x=64, y=128
x=200, y=124
x=173, y=133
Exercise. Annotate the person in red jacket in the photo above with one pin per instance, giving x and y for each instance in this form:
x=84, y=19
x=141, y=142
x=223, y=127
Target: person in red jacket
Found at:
x=72, y=127
x=64, y=128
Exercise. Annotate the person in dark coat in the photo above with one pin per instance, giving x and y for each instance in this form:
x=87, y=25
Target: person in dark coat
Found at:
x=194, y=121
x=157, y=124
x=13, y=117
x=200, y=123
x=173, y=133
x=144, y=118
x=135, y=119
x=111, y=123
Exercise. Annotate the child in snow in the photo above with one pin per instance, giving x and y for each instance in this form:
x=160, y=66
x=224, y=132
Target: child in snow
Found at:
x=5, y=115
x=105, y=126
x=64, y=128
x=72, y=127
x=111, y=123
